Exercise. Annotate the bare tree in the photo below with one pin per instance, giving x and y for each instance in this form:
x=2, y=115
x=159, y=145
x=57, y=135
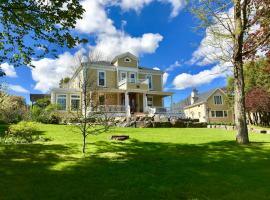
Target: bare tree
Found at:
x=230, y=23
x=90, y=118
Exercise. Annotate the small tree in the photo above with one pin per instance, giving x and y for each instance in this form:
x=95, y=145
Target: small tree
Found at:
x=91, y=118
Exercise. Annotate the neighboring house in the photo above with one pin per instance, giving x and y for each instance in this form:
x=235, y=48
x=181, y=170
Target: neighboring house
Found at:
x=208, y=107
x=122, y=87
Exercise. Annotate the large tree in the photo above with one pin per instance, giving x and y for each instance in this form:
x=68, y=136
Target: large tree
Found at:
x=31, y=28
x=233, y=25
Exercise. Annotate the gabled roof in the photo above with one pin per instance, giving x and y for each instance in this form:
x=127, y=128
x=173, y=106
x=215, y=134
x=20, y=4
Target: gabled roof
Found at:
x=201, y=98
x=127, y=54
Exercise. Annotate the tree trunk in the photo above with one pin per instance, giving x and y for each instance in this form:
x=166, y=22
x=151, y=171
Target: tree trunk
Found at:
x=239, y=100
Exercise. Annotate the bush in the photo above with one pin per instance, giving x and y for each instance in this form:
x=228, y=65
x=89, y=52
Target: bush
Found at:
x=23, y=132
x=162, y=124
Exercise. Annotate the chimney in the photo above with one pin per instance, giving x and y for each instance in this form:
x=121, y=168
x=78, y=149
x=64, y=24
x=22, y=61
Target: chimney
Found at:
x=194, y=96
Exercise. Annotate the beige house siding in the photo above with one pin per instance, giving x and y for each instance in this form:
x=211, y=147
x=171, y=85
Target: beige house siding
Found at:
x=157, y=101
x=156, y=81
x=121, y=62
x=220, y=107
x=110, y=78
x=197, y=112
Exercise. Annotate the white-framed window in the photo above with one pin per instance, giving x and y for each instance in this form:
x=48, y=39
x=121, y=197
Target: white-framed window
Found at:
x=101, y=78
x=123, y=76
x=127, y=59
x=149, y=78
x=132, y=77
x=218, y=99
x=62, y=102
x=219, y=113
x=149, y=101
x=75, y=101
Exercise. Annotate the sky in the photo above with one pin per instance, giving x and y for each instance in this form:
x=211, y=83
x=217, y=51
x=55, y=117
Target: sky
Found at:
x=160, y=32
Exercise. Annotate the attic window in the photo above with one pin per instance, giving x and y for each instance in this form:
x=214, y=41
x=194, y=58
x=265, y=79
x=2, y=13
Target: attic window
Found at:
x=127, y=59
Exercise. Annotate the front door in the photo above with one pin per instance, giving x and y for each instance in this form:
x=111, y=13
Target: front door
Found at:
x=132, y=102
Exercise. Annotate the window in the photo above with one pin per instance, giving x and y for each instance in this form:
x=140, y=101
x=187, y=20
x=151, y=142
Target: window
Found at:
x=149, y=78
x=101, y=78
x=127, y=59
x=132, y=78
x=62, y=102
x=101, y=99
x=219, y=113
x=75, y=102
x=123, y=76
x=150, y=101
x=218, y=99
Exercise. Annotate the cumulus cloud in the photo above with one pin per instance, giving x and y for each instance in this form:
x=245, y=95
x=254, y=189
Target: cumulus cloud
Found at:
x=8, y=69
x=186, y=80
x=137, y=5
x=18, y=88
x=156, y=68
x=173, y=66
x=165, y=78
x=120, y=42
x=48, y=72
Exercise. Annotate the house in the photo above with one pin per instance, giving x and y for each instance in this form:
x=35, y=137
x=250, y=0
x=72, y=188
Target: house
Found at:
x=208, y=107
x=121, y=86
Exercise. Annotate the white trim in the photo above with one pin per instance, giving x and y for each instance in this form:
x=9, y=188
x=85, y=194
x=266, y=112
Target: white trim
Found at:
x=104, y=71
x=135, y=77
x=129, y=69
x=101, y=67
x=76, y=98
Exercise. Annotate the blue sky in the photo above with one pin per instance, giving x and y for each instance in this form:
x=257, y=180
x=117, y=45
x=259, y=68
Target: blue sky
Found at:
x=160, y=32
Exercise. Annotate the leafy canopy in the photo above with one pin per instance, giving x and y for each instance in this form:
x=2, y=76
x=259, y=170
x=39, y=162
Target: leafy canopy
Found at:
x=28, y=28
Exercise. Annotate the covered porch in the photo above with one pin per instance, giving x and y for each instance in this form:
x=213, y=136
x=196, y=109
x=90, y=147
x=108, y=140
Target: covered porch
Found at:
x=129, y=102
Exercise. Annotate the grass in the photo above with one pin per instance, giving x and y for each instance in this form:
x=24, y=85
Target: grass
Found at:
x=153, y=164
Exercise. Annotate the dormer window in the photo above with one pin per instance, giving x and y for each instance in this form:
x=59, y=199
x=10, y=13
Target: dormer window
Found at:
x=127, y=59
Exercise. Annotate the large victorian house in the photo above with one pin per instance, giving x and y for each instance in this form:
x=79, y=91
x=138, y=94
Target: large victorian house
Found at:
x=121, y=86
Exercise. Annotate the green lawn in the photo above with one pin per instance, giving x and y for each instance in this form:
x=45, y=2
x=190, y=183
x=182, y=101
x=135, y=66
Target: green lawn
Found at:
x=154, y=164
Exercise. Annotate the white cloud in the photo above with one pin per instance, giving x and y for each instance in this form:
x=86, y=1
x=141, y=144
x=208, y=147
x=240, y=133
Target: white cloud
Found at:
x=173, y=66
x=217, y=43
x=156, y=68
x=120, y=42
x=17, y=88
x=165, y=78
x=48, y=72
x=137, y=5
x=8, y=69
x=185, y=80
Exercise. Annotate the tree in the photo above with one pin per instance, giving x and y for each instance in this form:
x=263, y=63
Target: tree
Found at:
x=28, y=27
x=91, y=118
x=230, y=23
x=258, y=105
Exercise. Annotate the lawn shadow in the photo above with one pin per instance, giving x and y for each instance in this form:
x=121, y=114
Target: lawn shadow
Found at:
x=137, y=170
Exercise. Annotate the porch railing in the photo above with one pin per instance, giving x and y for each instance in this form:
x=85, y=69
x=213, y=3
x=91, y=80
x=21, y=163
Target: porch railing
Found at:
x=162, y=110
x=132, y=80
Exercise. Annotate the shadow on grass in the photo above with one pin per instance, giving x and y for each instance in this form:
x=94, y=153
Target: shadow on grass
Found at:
x=136, y=170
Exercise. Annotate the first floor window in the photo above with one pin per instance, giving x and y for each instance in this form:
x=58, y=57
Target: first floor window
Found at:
x=150, y=101
x=213, y=113
x=219, y=113
x=101, y=78
x=101, y=100
x=62, y=102
x=75, y=102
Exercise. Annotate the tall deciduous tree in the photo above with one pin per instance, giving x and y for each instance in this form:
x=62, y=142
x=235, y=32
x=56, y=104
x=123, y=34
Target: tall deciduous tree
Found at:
x=234, y=29
x=28, y=27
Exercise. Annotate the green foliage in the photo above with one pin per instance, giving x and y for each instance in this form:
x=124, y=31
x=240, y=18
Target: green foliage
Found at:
x=47, y=115
x=23, y=132
x=28, y=25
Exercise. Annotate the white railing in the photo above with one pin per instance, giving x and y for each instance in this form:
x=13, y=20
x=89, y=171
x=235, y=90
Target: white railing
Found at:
x=162, y=110
x=132, y=80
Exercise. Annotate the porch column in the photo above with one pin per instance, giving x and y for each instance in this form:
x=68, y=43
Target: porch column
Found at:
x=144, y=103
x=127, y=104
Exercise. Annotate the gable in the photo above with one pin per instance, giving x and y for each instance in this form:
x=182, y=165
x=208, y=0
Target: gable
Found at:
x=218, y=92
x=126, y=60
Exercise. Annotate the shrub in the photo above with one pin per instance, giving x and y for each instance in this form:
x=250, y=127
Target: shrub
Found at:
x=23, y=132
x=162, y=124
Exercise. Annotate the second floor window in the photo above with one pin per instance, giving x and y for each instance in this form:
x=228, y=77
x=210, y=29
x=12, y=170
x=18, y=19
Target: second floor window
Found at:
x=149, y=78
x=217, y=99
x=101, y=78
x=132, y=78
